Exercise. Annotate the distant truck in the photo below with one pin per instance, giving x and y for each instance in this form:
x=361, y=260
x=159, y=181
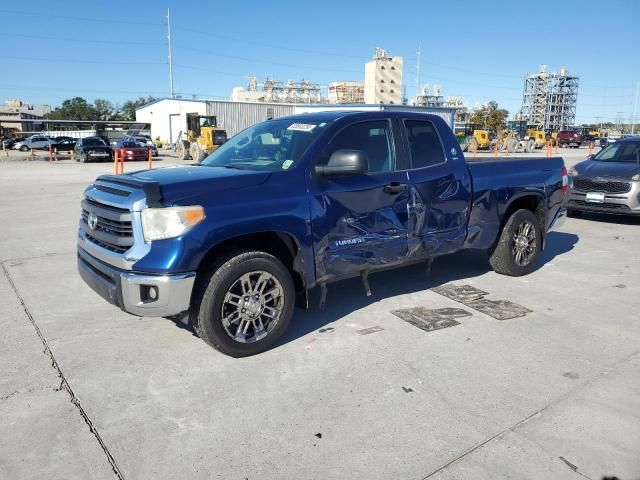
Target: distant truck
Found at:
x=569, y=138
x=303, y=201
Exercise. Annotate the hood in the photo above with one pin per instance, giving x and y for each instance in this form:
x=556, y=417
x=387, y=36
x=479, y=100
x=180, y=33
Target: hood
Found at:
x=178, y=183
x=593, y=169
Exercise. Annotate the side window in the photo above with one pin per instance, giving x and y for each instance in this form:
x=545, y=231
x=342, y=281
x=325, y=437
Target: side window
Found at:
x=424, y=144
x=373, y=138
x=630, y=152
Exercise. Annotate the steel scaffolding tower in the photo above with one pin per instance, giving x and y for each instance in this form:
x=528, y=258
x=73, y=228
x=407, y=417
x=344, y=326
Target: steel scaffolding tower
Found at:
x=549, y=100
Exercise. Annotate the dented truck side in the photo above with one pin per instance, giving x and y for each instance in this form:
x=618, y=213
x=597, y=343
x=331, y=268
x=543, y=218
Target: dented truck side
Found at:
x=303, y=201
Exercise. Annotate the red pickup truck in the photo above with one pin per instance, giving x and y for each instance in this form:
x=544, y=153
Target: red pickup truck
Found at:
x=569, y=138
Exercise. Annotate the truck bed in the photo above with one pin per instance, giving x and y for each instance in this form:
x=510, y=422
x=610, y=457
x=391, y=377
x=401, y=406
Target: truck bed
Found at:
x=497, y=182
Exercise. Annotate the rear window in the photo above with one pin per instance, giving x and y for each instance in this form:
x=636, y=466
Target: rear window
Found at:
x=93, y=142
x=424, y=144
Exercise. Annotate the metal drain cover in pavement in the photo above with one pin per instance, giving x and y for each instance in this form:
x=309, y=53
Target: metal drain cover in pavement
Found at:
x=499, y=309
x=429, y=320
x=460, y=293
x=474, y=298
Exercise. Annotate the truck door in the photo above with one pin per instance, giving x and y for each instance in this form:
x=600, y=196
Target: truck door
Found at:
x=360, y=221
x=440, y=193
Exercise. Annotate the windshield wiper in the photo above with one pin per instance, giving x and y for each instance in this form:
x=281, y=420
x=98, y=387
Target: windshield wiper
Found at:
x=235, y=166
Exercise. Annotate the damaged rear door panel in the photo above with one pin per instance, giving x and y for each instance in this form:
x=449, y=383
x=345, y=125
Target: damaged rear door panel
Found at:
x=440, y=195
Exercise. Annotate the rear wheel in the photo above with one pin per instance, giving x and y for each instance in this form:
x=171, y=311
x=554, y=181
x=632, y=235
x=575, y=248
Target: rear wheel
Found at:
x=182, y=150
x=518, y=248
x=244, y=303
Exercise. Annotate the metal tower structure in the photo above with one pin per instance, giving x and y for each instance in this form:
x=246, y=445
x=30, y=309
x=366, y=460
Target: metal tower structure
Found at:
x=549, y=99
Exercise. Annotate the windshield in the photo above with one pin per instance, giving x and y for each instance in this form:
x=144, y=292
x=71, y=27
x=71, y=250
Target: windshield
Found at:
x=93, y=141
x=619, y=152
x=270, y=146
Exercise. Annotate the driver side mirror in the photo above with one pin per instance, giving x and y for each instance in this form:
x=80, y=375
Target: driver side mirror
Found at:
x=590, y=157
x=345, y=162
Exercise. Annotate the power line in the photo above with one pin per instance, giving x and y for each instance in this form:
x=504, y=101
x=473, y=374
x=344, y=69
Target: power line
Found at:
x=80, y=40
x=267, y=62
x=267, y=45
x=83, y=19
x=71, y=60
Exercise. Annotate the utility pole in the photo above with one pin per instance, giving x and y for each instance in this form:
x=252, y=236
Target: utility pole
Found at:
x=635, y=108
x=171, y=95
x=418, y=72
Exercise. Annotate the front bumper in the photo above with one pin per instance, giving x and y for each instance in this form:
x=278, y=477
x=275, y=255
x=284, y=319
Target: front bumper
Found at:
x=614, y=203
x=129, y=290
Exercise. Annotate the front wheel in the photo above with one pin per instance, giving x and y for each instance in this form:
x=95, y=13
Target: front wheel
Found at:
x=518, y=248
x=244, y=303
x=571, y=213
x=24, y=148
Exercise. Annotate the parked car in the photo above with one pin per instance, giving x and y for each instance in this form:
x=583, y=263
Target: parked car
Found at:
x=35, y=142
x=65, y=145
x=91, y=148
x=609, y=181
x=303, y=201
x=8, y=142
x=569, y=138
x=145, y=142
x=132, y=150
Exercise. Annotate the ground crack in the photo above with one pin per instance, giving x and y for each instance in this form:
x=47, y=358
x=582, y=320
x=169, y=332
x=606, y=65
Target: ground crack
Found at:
x=63, y=380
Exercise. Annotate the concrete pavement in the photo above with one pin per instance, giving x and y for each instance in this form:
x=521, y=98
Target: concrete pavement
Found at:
x=144, y=398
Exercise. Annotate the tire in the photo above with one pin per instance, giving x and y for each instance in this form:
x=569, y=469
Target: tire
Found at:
x=84, y=157
x=24, y=148
x=573, y=213
x=219, y=294
x=182, y=150
x=517, y=249
x=196, y=152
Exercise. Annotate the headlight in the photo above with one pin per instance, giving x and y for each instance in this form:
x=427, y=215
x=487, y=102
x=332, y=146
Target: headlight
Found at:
x=636, y=177
x=572, y=172
x=160, y=223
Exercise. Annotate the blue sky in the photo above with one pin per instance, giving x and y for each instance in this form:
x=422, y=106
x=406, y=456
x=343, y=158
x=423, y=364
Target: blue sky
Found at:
x=118, y=50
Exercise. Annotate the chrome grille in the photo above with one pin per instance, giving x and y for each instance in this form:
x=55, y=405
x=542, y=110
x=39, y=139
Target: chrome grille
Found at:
x=605, y=186
x=113, y=229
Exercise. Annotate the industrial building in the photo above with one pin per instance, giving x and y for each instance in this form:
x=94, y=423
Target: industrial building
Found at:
x=346, y=92
x=383, y=79
x=549, y=100
x=168, y=117
x=275, y=91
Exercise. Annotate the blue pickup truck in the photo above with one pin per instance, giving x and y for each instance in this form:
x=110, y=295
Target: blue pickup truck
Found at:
x=237, y=241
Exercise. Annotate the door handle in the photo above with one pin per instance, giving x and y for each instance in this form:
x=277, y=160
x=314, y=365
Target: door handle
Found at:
x=395, y=187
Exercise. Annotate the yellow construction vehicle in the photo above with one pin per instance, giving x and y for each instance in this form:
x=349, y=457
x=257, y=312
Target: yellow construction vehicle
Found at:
x=202, y=137
x=539, y=136
x=479, y=140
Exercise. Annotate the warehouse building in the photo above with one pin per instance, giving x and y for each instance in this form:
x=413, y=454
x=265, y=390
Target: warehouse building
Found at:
x=168, y=117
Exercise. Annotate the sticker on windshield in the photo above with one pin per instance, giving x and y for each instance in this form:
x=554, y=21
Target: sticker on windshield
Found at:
x=301, y=127
x=286, y=164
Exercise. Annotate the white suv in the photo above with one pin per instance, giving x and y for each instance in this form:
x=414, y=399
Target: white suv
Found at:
x=34, y=141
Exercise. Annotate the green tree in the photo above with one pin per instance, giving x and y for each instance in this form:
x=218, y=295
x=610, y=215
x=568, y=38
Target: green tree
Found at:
x=76, y=108
x=490, y=116
x=128, y=110
x=104, y=109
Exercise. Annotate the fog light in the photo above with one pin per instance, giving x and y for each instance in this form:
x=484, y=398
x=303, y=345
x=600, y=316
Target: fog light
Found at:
x=153, y=293
x=148, y=293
